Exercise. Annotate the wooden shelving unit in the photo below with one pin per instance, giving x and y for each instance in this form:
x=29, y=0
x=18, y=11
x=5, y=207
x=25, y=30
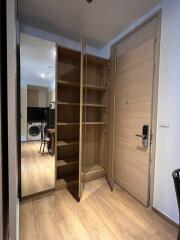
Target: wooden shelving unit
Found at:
x=67, y=120
x=82, y=104
x=95, y=119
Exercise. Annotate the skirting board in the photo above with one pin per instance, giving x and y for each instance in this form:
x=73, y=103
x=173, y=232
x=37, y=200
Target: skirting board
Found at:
x=166, y=218
x=23, y=139
x=38, y=194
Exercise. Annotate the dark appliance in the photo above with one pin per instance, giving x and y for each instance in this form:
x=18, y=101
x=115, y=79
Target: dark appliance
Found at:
x=36, y=114
x=50, y=118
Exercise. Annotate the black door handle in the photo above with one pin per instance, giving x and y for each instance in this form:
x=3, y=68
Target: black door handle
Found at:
x=138, y=135
x=144, y=136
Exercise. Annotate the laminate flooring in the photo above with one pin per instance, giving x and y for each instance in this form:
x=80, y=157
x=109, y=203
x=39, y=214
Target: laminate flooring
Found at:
x=101, y=215
x=37, y=171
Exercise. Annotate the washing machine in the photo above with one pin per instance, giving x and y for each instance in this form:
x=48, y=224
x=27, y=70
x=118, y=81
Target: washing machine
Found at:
x=34, y=131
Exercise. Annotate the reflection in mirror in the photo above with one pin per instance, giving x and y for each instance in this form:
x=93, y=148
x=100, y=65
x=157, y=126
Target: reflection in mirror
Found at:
x=38, y=59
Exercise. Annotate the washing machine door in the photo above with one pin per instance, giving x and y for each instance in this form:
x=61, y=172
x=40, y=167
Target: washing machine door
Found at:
x=34, y=131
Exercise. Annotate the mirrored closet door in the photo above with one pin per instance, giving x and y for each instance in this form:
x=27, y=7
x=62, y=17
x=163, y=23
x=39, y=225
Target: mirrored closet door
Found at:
x=37, y=65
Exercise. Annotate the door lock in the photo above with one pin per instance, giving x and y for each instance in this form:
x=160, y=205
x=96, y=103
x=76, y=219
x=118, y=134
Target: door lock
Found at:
x=144, y=136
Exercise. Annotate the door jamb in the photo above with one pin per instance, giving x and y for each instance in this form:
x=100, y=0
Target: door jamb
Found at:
x=154, y=108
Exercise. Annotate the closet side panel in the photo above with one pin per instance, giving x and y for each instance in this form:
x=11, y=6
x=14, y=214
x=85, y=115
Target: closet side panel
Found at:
x=104, y=130
x=111, y=115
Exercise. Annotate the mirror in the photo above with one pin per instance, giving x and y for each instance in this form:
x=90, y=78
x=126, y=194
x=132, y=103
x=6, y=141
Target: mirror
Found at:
x=38, y=61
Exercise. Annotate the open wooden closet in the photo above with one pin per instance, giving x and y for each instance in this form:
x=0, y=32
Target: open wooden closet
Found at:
x=83, y=98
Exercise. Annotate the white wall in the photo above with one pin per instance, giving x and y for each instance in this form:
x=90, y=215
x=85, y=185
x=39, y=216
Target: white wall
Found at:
x=168, y=140
x=61, y=41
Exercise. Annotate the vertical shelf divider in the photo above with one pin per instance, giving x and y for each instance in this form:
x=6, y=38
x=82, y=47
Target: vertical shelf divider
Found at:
x=81, y=116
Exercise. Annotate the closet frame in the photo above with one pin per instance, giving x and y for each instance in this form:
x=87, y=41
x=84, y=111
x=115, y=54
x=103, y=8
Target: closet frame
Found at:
x=82, y=86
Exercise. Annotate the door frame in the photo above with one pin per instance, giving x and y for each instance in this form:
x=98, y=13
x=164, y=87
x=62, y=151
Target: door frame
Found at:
x=4, y=158
x=158, y=14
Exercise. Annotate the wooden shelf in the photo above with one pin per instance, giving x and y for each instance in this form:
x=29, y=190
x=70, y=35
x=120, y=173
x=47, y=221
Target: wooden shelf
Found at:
x=67, y=124
x=67, y=162
x=85, y=104
x=68, y=84
x=86, y=86
x=94, y=87
x=67, y=143
x=93, y=168
x=94, y=105
x=94, y=123
x=68, y=103
x=77, y=124
x=68, y=180
x=93, y=172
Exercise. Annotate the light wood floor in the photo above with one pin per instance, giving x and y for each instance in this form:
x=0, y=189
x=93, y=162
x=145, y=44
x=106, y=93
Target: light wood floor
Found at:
x=37, y=171
x=101, y=215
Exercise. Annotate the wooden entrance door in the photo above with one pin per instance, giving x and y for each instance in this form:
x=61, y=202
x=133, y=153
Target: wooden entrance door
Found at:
x=133, y=110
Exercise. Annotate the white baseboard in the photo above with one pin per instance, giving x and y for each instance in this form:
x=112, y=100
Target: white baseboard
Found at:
x=23, y=139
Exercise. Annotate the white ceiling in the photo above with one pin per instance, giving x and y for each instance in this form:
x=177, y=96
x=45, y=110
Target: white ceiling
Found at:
x=37, y=60
x=100, y=21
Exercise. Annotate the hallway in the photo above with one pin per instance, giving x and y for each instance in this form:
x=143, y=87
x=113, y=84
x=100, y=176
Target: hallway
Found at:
x=101, y=214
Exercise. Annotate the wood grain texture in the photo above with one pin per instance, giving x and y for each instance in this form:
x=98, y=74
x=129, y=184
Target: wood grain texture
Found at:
x=101, y=215
x=133, y=110
x=96, y=105
x=111, y=118
x=81, y=180
x=68, y=106
x=37, y=171
x=82, y=107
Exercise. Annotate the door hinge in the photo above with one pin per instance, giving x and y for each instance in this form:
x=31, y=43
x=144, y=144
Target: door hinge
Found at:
x=151, y=139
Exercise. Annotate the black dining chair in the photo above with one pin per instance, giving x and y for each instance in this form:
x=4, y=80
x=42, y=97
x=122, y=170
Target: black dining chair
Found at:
x=45, y=140
x=176, y=177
